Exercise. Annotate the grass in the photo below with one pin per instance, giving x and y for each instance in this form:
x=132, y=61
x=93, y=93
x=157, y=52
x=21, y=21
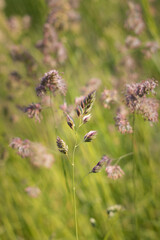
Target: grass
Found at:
x=92, y=52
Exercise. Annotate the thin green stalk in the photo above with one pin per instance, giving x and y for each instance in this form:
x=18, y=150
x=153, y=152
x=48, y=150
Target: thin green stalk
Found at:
x=134, y=172
x=65, y=175
x=123, y=156
x=74, y=187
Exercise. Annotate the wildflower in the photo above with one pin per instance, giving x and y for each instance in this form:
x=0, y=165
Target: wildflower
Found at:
x=108, y=96
x=70, y=122
x=33, y=191
x=53, y=82
x=86, y=118
x=114, y=172
x=62, y=147
x=23, y=146
x=132, y=42
x=33, y=110
x=105, y=161
x=90, y=136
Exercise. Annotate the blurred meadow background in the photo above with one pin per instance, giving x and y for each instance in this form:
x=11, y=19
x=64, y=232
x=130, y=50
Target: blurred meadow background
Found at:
x=94, y=45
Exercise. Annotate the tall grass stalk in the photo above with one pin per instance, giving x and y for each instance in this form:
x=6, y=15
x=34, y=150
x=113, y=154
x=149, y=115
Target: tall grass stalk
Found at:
x=134, y=173
x=74, y=186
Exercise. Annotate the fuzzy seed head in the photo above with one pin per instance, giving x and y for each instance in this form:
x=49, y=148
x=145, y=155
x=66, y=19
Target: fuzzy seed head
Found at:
x=22, y=146
x=53, y=82
x=136, y=91
x=114, y=172
x=33, y=111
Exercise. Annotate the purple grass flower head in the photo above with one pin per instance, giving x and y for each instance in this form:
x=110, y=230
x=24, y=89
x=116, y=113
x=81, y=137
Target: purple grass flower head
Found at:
x=62, y=147
x=22, y=146
x=148, y=108
x=114, y=172
x=53, y=82
x=121, y=120
x=122, y=124
x=33, y=111
x=104, y=162
x=41, y=91
x=135, y=91
x=70, y=122
x=90, y=136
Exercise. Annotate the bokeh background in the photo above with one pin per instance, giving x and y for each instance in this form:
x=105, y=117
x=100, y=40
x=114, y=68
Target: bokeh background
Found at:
x=94, y=40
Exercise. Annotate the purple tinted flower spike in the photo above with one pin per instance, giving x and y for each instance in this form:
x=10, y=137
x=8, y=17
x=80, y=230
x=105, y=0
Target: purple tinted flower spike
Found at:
x=104, y=162
x=62, y=147
x=90, y=136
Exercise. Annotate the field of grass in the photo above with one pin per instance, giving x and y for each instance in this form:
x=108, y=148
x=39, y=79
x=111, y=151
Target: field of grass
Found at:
x=94, y=47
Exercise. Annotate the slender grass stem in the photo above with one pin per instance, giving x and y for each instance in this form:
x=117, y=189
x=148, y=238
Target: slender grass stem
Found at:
x=74, y=187
x=134, y=173
x=123, y=156
x=65, y=175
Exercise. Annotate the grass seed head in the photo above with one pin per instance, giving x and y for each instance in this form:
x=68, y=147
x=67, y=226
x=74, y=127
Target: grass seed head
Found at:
x=114, y=172
x=90, y=136
x=62, y=147
x=22, y=146
x=104, y=162
x=86, y=104
x=70, y=122
x=53, y=82
x=87, y=118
